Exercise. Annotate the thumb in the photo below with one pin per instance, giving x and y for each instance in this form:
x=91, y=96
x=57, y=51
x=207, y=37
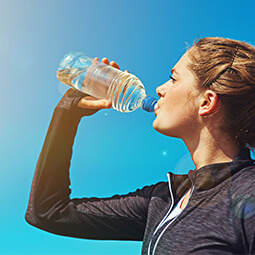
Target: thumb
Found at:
x=89, y=102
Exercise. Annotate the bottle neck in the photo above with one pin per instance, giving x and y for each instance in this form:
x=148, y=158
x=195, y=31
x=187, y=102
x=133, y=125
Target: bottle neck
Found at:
x=149, y=103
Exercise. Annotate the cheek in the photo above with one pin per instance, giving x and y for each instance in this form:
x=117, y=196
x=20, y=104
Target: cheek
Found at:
x=175, y=103
x=176, y=112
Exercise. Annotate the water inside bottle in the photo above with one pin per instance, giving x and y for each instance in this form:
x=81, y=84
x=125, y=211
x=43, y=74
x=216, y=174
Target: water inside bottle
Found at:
x=124, y=90
x=126, y=93
x=72, y=76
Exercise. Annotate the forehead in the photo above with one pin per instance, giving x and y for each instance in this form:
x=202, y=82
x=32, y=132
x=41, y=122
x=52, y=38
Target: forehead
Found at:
x=182, y=65
x=183, y=72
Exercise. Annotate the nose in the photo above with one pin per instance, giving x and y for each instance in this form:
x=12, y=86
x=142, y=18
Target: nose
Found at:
x=161, y=90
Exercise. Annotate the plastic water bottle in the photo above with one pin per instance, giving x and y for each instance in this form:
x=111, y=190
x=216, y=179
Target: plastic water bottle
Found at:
x=124, y=90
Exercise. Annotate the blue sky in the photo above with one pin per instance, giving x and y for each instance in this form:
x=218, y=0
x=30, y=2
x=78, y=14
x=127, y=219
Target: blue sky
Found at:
x=145, y=37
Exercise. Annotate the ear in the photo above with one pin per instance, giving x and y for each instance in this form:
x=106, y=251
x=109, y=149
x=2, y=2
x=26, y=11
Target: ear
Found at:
x=210, y=103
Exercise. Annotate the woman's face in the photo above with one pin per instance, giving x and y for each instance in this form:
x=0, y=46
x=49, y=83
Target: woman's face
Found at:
x=177, y=113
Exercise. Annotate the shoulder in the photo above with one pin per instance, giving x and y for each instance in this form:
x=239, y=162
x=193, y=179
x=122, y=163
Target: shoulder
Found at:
x=243, y=192
x=244, y=181
x=159, y=188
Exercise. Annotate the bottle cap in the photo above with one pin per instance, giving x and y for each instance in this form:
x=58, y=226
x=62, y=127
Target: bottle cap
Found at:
x=149, y=103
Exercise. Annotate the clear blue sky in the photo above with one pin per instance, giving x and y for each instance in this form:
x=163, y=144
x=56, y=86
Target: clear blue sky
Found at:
x=113, y=152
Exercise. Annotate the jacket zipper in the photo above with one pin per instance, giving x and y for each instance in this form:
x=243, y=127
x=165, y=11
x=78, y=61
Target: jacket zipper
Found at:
x=161, y=223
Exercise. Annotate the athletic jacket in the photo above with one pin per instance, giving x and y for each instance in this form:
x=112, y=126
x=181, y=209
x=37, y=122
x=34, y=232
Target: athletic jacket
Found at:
x=219, y=218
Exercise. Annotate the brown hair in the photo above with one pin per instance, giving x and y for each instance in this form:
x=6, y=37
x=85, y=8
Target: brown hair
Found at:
x=228, y=68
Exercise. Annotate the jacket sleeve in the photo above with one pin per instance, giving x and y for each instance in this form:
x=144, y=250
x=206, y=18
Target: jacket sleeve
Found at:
x=121, y=217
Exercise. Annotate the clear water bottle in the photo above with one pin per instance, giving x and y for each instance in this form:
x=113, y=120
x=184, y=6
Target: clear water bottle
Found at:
x=124, y=90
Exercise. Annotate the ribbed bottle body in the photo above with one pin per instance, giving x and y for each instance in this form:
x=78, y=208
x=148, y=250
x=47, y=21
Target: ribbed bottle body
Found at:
x=124, y=90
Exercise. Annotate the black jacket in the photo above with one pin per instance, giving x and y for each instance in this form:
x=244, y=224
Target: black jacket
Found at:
x=219, y=218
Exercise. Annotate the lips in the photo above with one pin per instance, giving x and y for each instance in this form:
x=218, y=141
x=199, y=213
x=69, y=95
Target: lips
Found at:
x=156, y=107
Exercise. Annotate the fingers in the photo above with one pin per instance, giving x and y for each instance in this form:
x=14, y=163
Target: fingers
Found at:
x=105, y=61
x=112, y=63
x=95, y=61
x=94, y=104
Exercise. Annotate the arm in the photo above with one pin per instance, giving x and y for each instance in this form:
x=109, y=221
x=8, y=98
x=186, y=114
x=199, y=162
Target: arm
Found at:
x=50, y=207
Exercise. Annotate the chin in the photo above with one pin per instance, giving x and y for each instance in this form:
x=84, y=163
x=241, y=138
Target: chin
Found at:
x=159, y=129
x=164, y=131
x=155, y=125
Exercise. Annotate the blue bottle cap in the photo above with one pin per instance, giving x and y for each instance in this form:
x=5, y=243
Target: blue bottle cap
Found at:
x=149, y=103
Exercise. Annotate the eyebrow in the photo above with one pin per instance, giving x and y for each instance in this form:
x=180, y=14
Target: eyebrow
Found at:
x=174, y=71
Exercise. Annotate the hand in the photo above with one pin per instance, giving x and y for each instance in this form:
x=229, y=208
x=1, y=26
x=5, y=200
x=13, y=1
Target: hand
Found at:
x=89, y=102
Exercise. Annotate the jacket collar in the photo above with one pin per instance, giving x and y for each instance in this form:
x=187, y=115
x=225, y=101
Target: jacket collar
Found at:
x=207, y=177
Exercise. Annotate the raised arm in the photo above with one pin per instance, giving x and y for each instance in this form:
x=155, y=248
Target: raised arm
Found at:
x=50, y=207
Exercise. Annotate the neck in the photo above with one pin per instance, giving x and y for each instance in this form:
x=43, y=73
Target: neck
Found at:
x=211, y=148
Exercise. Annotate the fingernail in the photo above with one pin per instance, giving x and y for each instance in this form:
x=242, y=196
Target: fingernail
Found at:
x=107, y=104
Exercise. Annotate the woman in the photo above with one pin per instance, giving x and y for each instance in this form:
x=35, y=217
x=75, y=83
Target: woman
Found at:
x=209, y=103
